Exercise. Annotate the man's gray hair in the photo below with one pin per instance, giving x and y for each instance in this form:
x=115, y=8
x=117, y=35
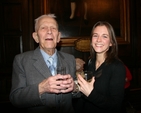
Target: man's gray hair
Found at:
x=42, y=16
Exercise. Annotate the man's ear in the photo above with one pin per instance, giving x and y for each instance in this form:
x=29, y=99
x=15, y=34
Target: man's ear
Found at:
x=59, y=36
x=35, y=37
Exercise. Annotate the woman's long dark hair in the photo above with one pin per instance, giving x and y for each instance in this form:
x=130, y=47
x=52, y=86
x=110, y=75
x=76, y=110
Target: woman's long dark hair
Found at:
x=112, y=53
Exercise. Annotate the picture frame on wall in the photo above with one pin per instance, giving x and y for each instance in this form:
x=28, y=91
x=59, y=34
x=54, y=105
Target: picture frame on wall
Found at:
x=116, y=12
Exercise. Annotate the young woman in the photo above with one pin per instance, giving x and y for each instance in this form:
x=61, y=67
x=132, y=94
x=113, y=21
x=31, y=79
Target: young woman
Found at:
x=104, y=94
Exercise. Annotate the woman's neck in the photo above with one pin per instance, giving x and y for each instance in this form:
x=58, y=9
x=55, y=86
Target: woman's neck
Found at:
x=99, y=60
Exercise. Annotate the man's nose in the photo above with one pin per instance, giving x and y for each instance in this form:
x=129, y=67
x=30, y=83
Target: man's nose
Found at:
x=49, y=30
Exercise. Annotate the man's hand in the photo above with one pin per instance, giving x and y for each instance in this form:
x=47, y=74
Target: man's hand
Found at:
x=56, y=84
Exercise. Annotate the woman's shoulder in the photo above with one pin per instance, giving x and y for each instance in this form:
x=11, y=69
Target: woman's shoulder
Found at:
x=118, y=64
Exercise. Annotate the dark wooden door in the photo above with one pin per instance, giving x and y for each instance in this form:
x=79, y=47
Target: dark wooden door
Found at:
x=14, y=32
x=14, y=39
x=16, y=27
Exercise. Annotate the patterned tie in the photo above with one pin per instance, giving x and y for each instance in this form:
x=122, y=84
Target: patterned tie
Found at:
x=51, y=67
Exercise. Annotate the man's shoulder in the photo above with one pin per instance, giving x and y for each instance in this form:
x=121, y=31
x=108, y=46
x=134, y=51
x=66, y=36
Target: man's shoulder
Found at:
x=34, y=52
x=26, y=53
x=65, y=54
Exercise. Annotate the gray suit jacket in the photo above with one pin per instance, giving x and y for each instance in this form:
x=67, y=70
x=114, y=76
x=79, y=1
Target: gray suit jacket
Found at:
x=29, y=69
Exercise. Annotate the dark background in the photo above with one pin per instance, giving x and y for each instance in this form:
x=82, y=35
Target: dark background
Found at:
x=17, y=24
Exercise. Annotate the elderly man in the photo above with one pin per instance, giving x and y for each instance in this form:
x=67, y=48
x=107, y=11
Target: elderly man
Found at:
x=35, y=82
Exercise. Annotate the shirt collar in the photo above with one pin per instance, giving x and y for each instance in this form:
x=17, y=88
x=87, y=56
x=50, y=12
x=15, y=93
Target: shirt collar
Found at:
x=46, y=56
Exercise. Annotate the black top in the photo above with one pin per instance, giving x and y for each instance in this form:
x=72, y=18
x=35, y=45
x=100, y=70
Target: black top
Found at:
x=108, y=92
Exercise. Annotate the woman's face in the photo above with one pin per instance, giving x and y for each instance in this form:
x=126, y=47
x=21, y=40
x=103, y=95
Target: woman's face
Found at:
x=101, y=40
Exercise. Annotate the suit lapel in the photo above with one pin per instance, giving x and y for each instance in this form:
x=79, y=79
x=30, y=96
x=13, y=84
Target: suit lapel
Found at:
x=40, y=64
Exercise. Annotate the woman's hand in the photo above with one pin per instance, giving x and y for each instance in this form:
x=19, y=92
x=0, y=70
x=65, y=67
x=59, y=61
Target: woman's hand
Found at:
x=85, y=87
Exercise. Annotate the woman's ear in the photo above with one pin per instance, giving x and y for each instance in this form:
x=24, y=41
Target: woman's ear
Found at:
x=111, y=44
x=58, y=38
x=35, y=37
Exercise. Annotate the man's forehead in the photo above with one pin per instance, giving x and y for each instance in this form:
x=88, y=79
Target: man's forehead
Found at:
x=47, y=19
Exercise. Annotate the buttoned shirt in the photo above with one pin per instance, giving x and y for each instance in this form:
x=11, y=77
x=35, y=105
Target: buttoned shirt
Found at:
x=46, y=57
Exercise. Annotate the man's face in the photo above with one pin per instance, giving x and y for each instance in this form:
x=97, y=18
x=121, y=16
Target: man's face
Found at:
x=47, y=34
